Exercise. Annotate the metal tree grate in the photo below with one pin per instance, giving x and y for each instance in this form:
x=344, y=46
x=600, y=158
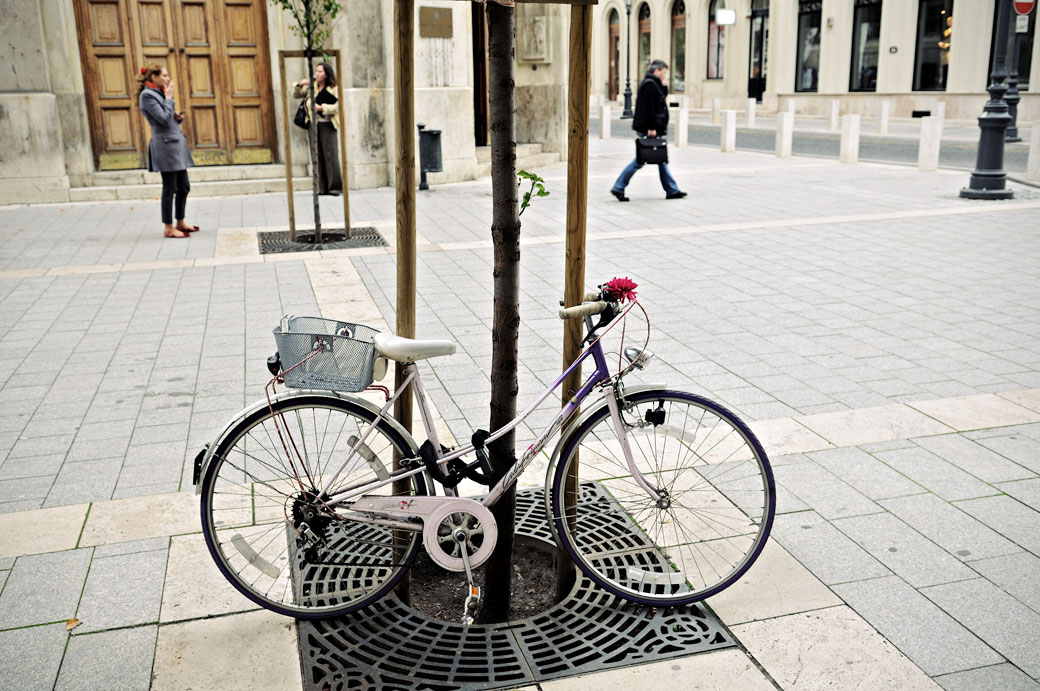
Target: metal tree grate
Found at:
x=333, y=239
x=389, y=645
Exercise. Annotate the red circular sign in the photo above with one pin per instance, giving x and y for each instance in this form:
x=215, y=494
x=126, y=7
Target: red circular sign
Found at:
x=1024, y=6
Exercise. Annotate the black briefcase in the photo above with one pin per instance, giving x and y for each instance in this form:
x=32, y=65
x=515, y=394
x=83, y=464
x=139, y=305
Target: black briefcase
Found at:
x=651, y=150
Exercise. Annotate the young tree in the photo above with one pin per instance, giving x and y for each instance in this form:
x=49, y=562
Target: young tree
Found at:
x=313, y=20
x=505, y=232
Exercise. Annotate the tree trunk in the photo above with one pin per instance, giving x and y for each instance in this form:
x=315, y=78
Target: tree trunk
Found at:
x=312, y=131
x=505, y=232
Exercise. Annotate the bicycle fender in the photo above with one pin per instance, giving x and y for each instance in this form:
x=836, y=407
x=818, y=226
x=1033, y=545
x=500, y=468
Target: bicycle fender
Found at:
x=597, y=405
x=246, y=412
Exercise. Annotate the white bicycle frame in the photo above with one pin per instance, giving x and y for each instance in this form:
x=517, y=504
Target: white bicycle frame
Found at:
x=599, y=378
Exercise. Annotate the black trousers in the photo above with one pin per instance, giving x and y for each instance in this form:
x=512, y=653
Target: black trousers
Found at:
x=174, y=184
x=329, y=178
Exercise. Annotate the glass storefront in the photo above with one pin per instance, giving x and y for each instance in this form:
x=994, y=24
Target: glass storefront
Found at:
x=934, y=38
x=807, y=76
x=716, y=44
x=866, y=33
x=678, y=61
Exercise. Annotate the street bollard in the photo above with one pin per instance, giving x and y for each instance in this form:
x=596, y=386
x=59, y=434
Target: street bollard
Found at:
x=849, y=139
x=729, y=131
x=931, y=139
x=604, y=121
x=1033, y=167
x=751, y=103
x=790, y=107
x=682, y=136
x=833, y=108
x=784, y=133
x=882, y=123
x=940, y=110
x=716, y=107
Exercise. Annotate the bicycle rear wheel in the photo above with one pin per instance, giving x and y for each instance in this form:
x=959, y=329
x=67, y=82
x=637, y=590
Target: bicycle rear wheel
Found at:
x=716, y=506
x=269, y=536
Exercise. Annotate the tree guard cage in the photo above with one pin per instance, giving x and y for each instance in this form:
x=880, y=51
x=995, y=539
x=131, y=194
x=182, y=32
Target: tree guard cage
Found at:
x=579, y=78
x=287, y=114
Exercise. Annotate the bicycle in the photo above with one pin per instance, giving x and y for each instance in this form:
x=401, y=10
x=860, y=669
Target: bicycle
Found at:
x=305, y=512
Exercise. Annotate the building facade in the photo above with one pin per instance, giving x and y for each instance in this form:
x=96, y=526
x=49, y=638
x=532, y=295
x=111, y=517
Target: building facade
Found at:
x=68, y=93
x=913, y=53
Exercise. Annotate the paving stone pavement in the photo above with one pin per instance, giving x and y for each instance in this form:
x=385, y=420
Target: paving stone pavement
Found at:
x=881, y=334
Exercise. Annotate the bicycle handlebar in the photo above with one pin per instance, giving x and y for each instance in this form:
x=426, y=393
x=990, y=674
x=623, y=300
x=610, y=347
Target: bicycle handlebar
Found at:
x=586, y=310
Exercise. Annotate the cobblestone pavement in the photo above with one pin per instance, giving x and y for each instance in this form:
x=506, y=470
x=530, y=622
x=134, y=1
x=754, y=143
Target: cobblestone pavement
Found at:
x=881, y=334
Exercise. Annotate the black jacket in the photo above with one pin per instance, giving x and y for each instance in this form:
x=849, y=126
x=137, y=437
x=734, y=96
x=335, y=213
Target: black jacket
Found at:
x=651, y=106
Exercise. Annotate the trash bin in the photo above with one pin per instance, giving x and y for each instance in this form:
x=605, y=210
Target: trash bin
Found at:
x=429, y=154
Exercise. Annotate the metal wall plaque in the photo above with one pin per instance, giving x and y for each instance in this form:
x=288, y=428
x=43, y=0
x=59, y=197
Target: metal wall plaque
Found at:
x=435, y=22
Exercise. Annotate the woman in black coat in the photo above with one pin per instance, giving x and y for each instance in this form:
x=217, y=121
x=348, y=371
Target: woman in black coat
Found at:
x=167, y=151
x=330, y=181
x=650, y=120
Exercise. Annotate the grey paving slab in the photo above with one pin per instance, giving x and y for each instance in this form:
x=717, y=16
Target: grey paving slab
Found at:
x=30, y=658
x=1026, y=491
x=822, y=491
x=820, y=547
x=1010, y=518
x=113, y=660
x=120, y=548
x=922, y=631
x=123, y=590
x=919, y=561
x=1004, y=677
x=948, y=526
x=83, y=482
x=44, y=588
x=1000, y=620
x=934, y=473
x=866, y=474
x=974, y=458
x=1019, y=448
x=1016, y=574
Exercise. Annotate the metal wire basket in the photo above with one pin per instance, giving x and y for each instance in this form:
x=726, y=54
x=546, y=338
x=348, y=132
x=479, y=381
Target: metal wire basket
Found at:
x=326, y=354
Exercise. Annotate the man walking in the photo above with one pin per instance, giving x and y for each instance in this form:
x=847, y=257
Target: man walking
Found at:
x=650, y=119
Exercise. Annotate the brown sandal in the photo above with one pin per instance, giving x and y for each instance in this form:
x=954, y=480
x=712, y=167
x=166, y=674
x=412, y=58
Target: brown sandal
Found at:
x=193, y=229
x=168, y=234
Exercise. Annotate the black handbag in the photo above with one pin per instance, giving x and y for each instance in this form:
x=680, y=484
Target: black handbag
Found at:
x=651, y=150
x=303, y=116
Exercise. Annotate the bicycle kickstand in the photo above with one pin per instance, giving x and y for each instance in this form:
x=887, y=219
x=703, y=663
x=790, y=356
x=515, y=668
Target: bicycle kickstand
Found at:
x=473, y=598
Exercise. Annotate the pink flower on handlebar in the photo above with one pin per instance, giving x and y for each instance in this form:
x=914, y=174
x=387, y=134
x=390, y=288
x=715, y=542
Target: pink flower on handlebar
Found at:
x=621, y=289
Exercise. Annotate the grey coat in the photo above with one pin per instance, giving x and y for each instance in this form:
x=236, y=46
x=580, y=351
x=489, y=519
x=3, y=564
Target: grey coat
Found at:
x=167, y=150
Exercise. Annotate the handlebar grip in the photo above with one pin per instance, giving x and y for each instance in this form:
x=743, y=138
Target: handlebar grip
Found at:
x=590, y=297
x=586, y=310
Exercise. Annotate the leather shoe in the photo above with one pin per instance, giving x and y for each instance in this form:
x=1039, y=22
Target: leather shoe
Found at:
x=675, y=195
x=620, y=195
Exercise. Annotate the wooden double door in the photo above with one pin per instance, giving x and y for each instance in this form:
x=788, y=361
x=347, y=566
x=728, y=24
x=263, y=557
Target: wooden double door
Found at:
x=216, y=53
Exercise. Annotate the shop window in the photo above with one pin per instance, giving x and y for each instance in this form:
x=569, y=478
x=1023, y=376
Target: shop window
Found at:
x=934, y=38
x=866, y=33
x=678, y=61
x=807, y=77
x=716, y=44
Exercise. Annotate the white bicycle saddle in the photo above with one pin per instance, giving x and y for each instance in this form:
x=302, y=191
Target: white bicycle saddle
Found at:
x=409, y=349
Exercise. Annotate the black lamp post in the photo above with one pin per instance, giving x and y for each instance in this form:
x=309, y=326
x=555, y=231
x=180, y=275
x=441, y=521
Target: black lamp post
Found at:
x=1012, y=97
x=988, y=180
x=627, y=112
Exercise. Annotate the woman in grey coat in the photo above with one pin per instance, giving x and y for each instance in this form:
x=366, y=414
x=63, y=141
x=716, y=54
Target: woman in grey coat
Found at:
x=167, y=151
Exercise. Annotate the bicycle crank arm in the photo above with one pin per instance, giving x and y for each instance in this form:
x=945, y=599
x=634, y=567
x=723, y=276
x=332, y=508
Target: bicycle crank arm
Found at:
x=435, y=511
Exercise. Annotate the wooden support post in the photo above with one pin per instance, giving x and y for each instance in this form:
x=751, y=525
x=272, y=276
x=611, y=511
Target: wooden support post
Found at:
x=577, y=212
x=288, y=147
x=343, y=146
x=404, y=123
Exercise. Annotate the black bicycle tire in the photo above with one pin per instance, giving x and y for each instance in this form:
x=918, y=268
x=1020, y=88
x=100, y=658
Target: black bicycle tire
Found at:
x=235, y=433
x=556, y=515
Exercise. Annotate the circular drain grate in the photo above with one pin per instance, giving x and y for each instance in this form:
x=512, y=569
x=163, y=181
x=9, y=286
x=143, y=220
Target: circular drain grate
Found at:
x=332, y=239
x=388, y=645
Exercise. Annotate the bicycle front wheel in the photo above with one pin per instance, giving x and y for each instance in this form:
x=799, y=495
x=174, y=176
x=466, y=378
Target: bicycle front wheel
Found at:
x=269, y=534
x=709, y=522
